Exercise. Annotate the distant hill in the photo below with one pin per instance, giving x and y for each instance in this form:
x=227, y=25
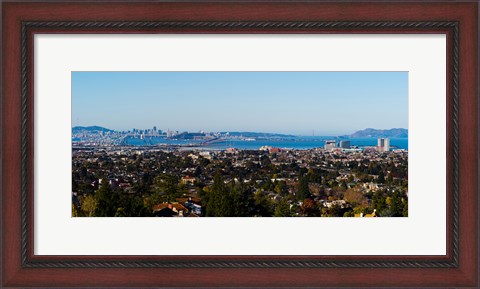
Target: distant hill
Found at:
x=371, y=132
x=91, y=129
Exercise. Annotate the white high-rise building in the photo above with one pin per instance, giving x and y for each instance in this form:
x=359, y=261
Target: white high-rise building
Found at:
x=383, y=144
x=330, y=145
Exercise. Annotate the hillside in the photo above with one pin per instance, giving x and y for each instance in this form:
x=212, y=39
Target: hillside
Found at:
x=371, y=132
x=91, y=129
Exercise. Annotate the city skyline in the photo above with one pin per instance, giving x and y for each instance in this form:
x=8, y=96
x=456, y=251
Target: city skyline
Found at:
x=298, y=103
x=163, y=131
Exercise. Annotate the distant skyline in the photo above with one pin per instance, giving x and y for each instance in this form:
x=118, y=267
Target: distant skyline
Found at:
x=299, y=103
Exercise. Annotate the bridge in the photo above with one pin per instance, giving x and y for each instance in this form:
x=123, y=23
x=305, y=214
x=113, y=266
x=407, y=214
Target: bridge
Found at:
x=147, y=140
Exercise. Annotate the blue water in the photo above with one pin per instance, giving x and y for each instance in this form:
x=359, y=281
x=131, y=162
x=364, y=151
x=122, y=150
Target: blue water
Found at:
x=292, y=143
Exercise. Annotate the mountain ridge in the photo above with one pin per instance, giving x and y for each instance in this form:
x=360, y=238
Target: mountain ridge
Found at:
x=371, y=132
x=93, y=128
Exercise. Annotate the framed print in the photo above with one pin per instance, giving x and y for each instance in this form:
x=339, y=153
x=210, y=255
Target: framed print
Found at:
x=239, y=144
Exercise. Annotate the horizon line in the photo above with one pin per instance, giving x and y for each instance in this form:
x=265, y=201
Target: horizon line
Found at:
x=243, y=131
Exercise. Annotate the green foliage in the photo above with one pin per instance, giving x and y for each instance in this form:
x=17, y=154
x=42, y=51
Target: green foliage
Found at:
x=168, y=187
x=389, y=179
x=381, y=177
x=220, y=199
x=396, y=205
x=105, y=201
x=302, y=191
x=314, y=176
x=335, y=211
x=360, y=209
x=405, y=208
x=112, y=203
x=120, y=212
x=243, y=202
x=77, y=212
x=379, y=201
x=349, y=214
x=154, y=199
x=89, y=205
x=263, y=205
x=268, y=185
x=281, y=188
x=227, y=200
x=283, y=209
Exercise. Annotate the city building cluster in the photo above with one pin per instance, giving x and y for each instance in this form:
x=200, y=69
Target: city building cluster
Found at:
x=101, y=137
x=332, y=181
x=383, y=145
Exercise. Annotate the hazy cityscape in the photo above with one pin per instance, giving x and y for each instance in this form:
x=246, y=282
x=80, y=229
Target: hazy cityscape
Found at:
x=157, y=171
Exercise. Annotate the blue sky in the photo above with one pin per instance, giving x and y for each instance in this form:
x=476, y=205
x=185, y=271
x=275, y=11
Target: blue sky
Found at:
x=329, y=103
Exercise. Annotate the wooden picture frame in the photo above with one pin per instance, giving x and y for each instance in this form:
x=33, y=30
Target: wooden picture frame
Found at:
x=21, y=268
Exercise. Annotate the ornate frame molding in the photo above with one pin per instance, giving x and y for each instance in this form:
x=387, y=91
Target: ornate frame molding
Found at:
x=300, y=26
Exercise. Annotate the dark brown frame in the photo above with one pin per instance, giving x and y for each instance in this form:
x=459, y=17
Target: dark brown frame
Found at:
x=21, y=20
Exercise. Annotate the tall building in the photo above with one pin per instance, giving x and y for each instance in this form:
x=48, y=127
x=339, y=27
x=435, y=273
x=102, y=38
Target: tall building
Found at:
x=387, y=145
x=344, y=144
x=383, y=144
x=330, y=145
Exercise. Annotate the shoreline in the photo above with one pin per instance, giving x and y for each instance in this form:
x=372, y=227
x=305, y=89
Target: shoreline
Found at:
x=354, y=144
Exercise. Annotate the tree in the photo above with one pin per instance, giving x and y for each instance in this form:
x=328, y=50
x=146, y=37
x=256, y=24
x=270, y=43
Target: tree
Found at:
x=268, y=185
x=335, y=211
x=379, y=202
x=263, y=205
x=89, y=205
x=265, y=161
x=120, y=212
x=104, y=199
x=220, y=199
x=396, y=205
x=390, y=179
x=354, y=196
x=405, y=208
x=242, y=202
x=310, y=209
x=282, y=209
x=153, y=199
x=381, y=177
x=302, y=190
x=132, y=205
x=349, y=214
x=168, y=186
x=314, y=177
x=76, y=211
x=281, y=188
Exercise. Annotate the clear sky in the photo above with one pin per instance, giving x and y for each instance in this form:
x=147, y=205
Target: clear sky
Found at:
x=328, y=103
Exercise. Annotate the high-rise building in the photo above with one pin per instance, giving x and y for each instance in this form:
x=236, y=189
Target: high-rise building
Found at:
x=330, y=145
x=344, y=144
x=383, y=144
x=380, y=142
